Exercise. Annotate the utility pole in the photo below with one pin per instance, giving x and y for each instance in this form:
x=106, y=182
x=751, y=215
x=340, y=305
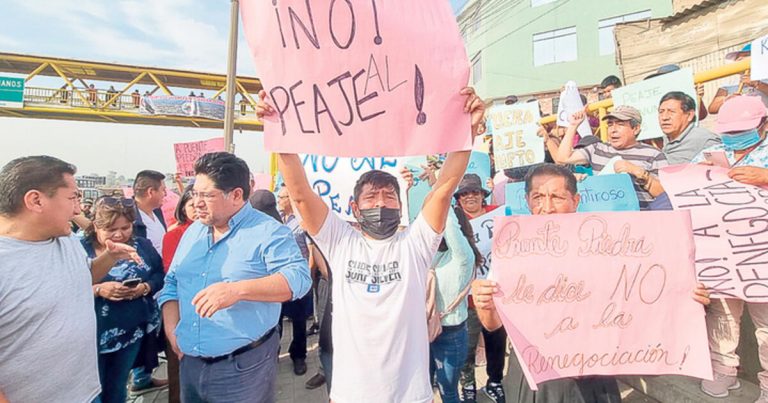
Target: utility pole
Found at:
x=229, y=117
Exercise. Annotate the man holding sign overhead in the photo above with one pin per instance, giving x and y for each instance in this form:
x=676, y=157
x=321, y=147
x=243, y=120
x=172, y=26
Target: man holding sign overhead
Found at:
x=382, y=275
x=639, y=160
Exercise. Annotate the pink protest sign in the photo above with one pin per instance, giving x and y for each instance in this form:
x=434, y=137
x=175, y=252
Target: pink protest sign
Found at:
x=360, y=79
x=262, y=181
x=170, y=201
x=188, y=153
x=600, y=294
x=730, y=228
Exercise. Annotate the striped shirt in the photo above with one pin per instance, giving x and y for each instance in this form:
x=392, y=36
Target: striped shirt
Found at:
x=642, y=155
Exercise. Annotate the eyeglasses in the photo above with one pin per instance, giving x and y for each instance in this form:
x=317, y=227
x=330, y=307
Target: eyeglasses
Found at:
x=110, y=201
x=207, y=196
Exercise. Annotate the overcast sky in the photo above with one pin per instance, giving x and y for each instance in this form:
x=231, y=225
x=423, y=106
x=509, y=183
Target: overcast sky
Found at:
x=183, y=34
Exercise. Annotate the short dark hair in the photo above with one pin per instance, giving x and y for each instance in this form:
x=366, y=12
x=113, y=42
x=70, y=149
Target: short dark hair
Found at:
x=611, y=80
x=42, y=173
x=145, y=180
x=551, y=170
x=687, y=104
x=180, y=214
x=227, y=172
x=377, y=179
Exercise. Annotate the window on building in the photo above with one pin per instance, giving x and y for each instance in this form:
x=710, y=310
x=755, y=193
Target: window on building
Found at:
x=605, y=28
x=477, y=68
x=555, y=46
x=536, y=3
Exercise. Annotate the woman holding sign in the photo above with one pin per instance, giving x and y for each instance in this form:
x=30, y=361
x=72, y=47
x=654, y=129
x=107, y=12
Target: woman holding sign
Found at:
x=742, y=121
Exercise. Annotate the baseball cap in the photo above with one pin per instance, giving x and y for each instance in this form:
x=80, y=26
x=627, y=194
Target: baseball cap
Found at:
x=665, y=69
x=740, y=113
x=625, y=112
x=745, y=51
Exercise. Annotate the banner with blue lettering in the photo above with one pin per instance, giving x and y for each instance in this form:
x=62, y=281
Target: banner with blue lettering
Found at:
x=598, y=193
x=334, y=179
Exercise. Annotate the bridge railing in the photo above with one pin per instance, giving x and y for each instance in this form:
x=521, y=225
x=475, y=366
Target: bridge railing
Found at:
x=100, y=100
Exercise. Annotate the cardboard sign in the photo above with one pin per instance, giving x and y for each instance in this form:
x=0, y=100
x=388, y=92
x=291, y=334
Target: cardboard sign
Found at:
x=645, y=96
x=613, y=192
x=515, y=142
x=188, y=153
x=600, y=294
x=483, y=229
x=730, y=228
x=334, y=179
x=759, y=61
x=367, y=78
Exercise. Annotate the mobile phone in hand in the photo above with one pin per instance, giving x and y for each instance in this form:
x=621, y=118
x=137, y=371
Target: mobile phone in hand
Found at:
x=717, y=158
x=132, y=282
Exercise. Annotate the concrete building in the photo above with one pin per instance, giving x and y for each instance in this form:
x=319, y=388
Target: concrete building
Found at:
x=698, y=34
x=532, y=47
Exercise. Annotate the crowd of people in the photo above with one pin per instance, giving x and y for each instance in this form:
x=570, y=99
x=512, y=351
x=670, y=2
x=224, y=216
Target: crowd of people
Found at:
x=400, y=308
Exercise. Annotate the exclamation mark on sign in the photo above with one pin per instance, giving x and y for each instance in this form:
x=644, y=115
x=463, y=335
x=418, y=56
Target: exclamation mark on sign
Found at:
x=685, y=356
x=421, y=119
x=377, y=40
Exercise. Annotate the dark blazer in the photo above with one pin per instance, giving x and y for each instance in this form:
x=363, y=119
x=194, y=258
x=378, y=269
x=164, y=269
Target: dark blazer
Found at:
x=139, y=228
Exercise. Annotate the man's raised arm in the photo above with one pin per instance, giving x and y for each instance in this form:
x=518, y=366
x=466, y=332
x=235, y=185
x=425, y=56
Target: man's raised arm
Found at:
x=309, y=205
x=437, y=202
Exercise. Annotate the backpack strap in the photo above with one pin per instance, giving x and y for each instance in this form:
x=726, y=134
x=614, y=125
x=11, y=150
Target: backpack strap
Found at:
x=450, y=308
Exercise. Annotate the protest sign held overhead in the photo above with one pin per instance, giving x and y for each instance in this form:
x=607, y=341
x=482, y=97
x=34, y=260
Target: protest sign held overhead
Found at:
x=388, y=83
x=515, y=142
x=334, y=179
x=570, y=103
x=613, y=192
x=759, y=62
x=729, y=228
x=646, y=95
x=600, y=294
x=188, y=153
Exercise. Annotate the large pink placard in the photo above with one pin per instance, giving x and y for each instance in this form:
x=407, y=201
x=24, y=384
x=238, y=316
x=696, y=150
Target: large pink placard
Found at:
x=368, y=78
x=600, y=294
x=730, y=228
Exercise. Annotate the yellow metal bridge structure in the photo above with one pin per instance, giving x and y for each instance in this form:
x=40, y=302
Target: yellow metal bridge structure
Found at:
x=81, y=95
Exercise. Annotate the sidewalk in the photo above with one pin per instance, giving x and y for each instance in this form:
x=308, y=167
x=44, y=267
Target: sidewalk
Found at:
x=290, y=388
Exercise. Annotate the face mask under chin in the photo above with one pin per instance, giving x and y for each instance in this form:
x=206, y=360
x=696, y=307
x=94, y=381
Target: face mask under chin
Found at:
x=379, y=222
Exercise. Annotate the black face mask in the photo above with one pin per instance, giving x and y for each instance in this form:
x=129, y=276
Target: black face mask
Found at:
x=380, y=222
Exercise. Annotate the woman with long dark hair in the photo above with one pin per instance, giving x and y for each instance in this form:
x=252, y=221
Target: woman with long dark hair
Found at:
x=126, y=312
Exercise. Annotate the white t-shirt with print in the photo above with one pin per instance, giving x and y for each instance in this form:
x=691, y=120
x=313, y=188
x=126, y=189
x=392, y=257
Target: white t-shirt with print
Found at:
x=380, y=344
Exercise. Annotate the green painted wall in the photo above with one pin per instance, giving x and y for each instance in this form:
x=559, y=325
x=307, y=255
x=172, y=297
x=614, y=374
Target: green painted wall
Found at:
x=504, y=38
